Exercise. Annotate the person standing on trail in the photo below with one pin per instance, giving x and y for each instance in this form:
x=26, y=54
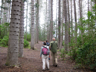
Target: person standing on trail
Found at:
x=47, y=43
x=53, y=48
x=45, y=56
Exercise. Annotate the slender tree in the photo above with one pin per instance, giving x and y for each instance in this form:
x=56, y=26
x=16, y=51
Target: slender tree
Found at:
x=51, y=21
x=21, y=35
x=71, y=20
x=75, y=15
x=80, y=9
x=26, y=18
x=59, y=23
x=37, y=22
x=66, y=26
x=32, y=25
x=68, y=21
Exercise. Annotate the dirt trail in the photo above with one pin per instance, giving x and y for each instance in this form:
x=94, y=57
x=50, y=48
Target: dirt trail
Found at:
x=31, y=62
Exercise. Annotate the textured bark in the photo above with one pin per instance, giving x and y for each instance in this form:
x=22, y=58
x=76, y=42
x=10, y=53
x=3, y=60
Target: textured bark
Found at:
x=56, y=19
x=12, y=55
x=26, y=19
x=2, y=12
x=80, y=8
x=49, y=17
x=66, y=27
x=32, y=25
x=51, y=21
x=5, y=13
x=21, y=35
x=71, y=20
x=37, y=22
x=75, y=15
x=68, y=21
x=59, y=23
x=9, y=11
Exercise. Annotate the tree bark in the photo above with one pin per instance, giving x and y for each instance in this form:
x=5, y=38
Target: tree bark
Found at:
x=32, y=25
x=12, y=54
x=66, y=27
x=26, y=19
x=51, y=21
x=59, y=24
x=75, y=15
x=80, y=8
x=37, y=22
x=21, y=35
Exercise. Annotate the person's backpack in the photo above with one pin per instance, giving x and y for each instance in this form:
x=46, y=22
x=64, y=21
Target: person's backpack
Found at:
x=45, y=51
x=54, y=47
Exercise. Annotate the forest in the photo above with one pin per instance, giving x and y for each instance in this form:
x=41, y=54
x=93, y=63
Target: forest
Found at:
x=26, y=24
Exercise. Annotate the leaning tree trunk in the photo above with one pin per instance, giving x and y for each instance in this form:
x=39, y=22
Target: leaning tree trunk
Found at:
x=12, y=55
x=32, y=25
x=21, y=36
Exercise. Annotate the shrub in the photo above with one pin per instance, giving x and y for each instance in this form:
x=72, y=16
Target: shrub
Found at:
x=28, y=38
x=62, y=53
x=26, y=43
x=4, y=41
x=86, y=55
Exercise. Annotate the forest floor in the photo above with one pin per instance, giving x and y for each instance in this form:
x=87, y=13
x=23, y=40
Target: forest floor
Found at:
x=31, y=62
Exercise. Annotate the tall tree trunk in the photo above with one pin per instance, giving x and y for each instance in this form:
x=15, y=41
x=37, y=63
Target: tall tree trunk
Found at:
x=75, y=15
x=56, y=19
x=61, y=34
x=80, y=8
x=21, y=35
x=59, y=23
x=26, y=19
x=66, y=27
x=37, y=22
x=12, y=55
x=9, y=11
x=49, y=16
x=91, y=5
x=88, y=16
x=68, y=21
x=51, y=21
x=32, y=25
x=71, y=21
x=5, y=14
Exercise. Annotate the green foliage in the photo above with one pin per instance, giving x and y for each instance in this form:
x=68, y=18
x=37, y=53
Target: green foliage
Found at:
x=36, y=5
x=63, y=43
x=4, y=41
x=4, y=30
x=62, y=53
x=27, y=36
x=26, y=43
x=86, y=54
x=6, y=64
x=5, y=8
x=84, y=51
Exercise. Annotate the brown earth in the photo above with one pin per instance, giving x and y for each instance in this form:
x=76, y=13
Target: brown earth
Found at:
x=31, y=62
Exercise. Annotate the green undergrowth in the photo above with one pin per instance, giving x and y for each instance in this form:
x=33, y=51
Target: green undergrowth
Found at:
x=5, y=39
